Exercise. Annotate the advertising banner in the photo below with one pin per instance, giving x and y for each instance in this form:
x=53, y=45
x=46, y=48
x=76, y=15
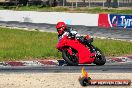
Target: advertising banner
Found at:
x=114, y=20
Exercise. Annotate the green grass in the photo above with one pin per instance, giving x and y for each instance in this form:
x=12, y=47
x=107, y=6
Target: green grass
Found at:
x=19, y=44
x=66, y=9
x=114, y=47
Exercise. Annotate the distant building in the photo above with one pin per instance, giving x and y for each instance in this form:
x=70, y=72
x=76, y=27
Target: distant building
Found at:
x=29, y=2
x=8, y=2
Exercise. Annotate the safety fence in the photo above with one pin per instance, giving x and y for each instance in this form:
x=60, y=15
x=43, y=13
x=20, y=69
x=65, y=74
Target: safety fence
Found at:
x=71, y=3
x=96, y=3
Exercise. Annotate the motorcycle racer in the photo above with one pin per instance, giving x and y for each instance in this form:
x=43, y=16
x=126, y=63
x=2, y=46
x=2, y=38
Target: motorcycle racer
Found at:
x=77, y=49
x=63, y=30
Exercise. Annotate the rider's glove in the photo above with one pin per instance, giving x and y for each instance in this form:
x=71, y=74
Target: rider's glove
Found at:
x=73, y=34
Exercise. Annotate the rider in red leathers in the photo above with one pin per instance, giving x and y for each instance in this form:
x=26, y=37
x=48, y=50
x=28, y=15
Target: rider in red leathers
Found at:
x=62, y=30
x=77, y=49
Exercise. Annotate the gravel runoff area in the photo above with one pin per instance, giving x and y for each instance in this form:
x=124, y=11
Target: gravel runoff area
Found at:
x=55, y=80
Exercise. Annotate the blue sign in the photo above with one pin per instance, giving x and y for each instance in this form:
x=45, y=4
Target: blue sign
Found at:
x=120, y=21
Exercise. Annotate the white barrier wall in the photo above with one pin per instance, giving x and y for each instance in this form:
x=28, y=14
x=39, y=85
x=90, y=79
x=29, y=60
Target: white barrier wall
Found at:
x=49, y=17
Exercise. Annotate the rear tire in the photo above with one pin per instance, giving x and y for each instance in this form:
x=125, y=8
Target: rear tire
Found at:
x=100, y=58
x=71, y=60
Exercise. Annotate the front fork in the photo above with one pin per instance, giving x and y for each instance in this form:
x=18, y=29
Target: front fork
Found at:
x=91, y=47
x=92, y=50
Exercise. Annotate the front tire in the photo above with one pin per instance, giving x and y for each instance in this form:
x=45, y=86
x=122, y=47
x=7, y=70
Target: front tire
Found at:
x=71, y=60
x=100, y=58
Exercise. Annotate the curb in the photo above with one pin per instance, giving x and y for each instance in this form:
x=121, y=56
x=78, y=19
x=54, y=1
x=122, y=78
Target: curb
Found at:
x=33, y=63
x=124, y=59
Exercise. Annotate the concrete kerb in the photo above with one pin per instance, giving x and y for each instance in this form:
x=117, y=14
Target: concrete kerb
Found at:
x=124, y=59
x=31, y=63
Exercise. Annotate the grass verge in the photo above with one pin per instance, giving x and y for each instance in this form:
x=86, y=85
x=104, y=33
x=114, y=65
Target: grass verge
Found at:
x=24, y=45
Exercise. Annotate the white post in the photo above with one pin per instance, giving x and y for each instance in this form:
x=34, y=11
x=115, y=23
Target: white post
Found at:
x=103, y=3
x=89, y=3
x=118, y=3
x=63, y=3
x=76, y=3
x=72, y=5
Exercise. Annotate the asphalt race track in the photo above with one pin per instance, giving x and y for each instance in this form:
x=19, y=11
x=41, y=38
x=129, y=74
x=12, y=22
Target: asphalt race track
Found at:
x=107, y=68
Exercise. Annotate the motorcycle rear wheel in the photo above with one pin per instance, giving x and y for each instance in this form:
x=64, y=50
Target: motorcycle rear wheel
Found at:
x=71, y=60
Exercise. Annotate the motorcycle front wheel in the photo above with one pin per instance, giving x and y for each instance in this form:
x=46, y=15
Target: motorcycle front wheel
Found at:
x=100, y=58
x=71, y=60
